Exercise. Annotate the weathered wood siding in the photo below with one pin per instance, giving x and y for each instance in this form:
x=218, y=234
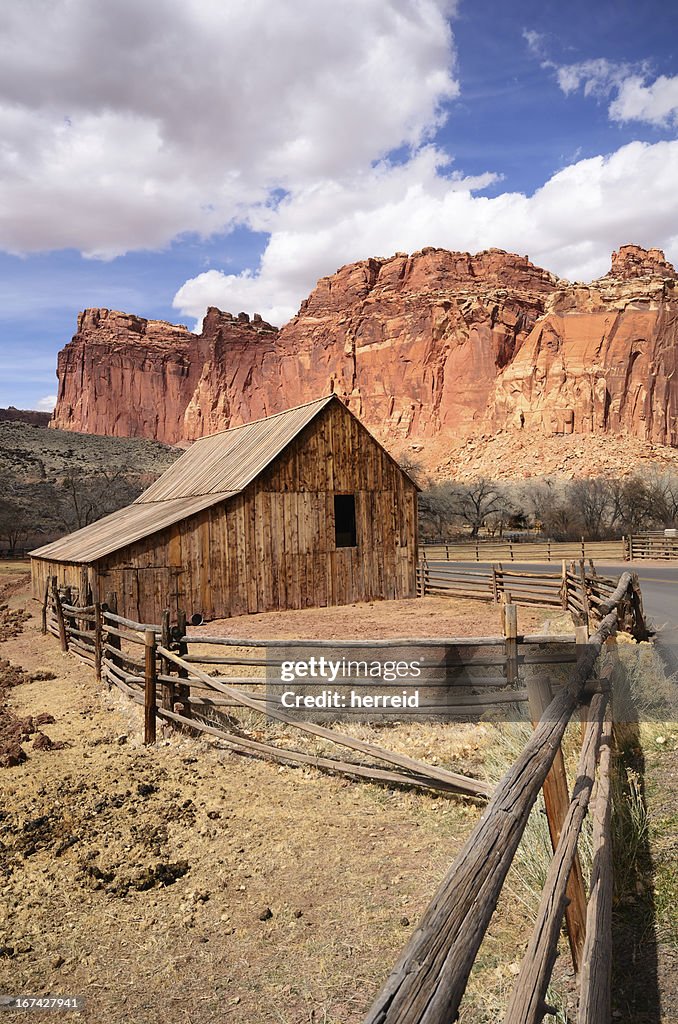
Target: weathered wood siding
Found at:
x=68, y=574
x=273, y=546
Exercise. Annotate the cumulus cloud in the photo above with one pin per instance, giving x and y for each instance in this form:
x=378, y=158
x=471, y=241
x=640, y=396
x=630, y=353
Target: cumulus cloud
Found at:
x=635, y=97
x=656, y=103
x=570, y=225
x=126, y=124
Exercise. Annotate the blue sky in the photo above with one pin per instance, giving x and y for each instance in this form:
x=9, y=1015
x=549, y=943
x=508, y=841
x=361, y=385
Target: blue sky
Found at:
x=161, y=157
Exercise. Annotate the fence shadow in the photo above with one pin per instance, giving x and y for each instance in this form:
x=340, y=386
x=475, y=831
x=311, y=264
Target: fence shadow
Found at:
x=635, y=963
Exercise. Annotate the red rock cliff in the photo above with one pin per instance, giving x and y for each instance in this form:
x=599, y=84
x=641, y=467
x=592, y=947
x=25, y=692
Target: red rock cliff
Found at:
x=427, y=349
x=603, y=357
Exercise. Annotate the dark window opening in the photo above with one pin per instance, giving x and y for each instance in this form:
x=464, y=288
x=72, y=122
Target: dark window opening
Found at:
x=344, y=521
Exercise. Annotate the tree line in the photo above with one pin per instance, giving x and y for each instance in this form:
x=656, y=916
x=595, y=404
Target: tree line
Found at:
x=596, y=508
x=35, y=512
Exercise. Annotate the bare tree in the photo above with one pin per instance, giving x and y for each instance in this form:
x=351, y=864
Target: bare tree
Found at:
x=474, y=502
x=663, y=497
x=89, y=496
x=538, y=497
x=436, y=509
x=592, y=500
x=13, y=523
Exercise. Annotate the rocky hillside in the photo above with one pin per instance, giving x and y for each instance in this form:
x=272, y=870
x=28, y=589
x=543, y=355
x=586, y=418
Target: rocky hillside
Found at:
x=430, y=350
x=55, y=481
x=36, y=419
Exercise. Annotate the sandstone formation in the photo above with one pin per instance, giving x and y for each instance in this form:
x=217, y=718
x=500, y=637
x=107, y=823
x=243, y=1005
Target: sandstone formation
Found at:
x=129, y=377
x=430, y=350
x=603, y=357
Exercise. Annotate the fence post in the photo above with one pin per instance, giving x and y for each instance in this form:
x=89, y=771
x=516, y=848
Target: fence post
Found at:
x=59, y=612
x=447, y=552
x=113, y=641
x=639, y=624
x=510, y=625
x=564, y=591
x=150, y=680
x=510, y=545
x=584, y=592
x=557, y=801
x=477, y=551
x=183, y=689
x=595, y=999
x=98, y=640
x=583, y=549
x=629, y=541
x=43, y=627
x=69, y=620
x=495, y=593
x=168, y=689
x=548, y=549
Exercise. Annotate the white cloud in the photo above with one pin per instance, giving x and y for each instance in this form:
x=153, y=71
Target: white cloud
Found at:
x=570, y=225
x=124, y=124
x=656, y=103
x=634, y=99
x=46, y=404
x=598, y=77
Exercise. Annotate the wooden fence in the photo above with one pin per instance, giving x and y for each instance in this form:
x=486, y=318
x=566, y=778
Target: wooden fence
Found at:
x=165, y=669
x=526, y=551
x=172, y=674
x=428, y=982
x=656, y=544
x=577, y=589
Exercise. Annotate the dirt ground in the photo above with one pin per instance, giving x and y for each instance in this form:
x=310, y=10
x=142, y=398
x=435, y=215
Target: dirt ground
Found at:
x=183, y=883
x=419, y=617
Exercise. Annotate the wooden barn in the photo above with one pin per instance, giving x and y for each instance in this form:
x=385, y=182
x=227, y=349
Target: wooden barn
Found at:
x=301, y=509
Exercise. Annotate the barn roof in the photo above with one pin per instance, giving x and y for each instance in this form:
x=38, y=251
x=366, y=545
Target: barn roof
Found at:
x=226, y=462
x=122, y=528
x=213, y=469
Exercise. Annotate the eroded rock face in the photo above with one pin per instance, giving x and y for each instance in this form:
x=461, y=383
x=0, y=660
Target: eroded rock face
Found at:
x=427, y=349
x=603, y=357
x=130, y=377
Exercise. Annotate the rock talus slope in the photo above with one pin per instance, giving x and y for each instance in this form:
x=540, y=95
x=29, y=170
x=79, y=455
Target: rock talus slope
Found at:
x=429, y=349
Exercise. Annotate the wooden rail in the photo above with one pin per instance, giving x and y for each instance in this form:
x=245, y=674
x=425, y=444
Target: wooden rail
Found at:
x=491, y=550
x=577, y=588
x=654, y=544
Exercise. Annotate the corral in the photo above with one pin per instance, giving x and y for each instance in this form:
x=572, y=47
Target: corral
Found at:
x=304, y=508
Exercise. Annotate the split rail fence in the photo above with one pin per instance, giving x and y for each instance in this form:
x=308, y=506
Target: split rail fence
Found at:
x=484, y=550
x=577, y=589
x=428, y=982
x=190, y=680
x=656, y=544
x=197, y=682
